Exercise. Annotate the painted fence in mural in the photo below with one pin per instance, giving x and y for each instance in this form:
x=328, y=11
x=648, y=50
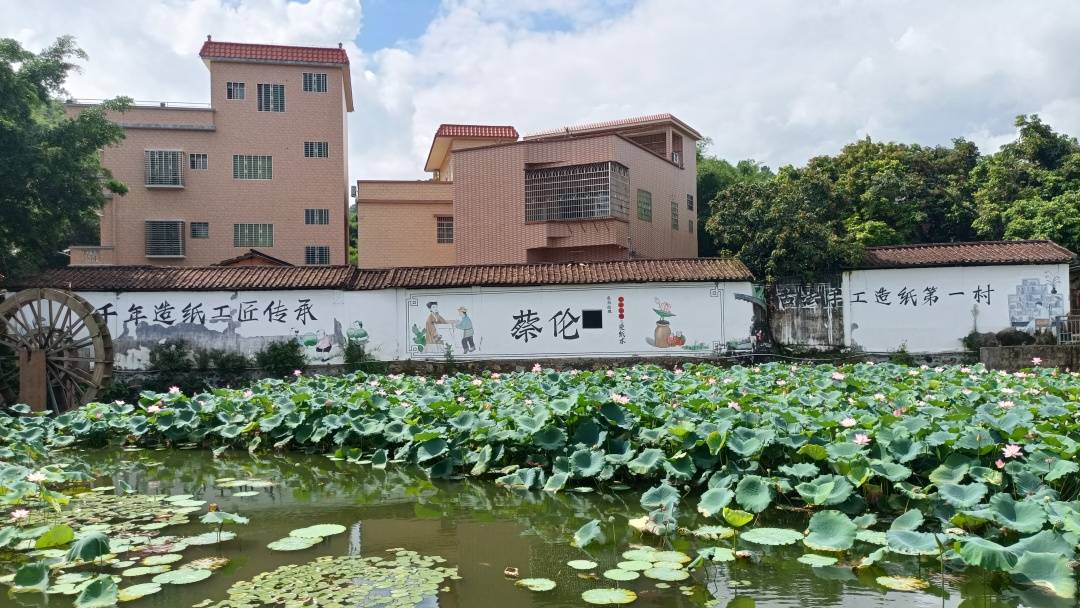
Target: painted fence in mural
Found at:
x=655, y=319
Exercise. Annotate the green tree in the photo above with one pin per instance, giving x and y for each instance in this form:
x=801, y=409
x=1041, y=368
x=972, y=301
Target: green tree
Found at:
x=787, y=227
x=51, y=179
x=353, y=222
x=714, y=175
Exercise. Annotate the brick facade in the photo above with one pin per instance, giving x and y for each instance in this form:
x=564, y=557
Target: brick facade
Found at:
x=234, y=127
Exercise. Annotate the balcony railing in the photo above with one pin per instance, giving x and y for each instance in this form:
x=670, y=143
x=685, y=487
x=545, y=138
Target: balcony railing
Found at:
x=577, y=192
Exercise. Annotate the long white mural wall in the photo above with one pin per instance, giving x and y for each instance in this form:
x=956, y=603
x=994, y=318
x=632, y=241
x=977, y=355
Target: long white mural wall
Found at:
x=932, y=309
x=654, y=319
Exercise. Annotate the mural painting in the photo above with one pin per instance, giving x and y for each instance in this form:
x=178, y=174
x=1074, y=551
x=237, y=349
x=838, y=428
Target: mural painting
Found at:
x=1036, y=305
x=440, y=335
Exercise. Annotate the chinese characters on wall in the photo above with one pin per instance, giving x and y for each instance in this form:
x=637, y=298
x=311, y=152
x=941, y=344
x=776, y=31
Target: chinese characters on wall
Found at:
x=914, y=296
x=193, y=313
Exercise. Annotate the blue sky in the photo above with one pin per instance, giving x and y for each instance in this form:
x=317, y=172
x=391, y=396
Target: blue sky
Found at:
x=388, y=23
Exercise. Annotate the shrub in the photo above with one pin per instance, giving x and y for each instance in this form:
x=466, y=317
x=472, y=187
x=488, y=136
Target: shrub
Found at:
x=1045, y=337
x=901, y=356
x=1014, y=337
x=357, y=358
x=171, y=356
x=279, y=359
x=974, y=341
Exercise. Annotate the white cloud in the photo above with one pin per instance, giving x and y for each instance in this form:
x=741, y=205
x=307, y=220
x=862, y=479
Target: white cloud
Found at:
x=775, y=80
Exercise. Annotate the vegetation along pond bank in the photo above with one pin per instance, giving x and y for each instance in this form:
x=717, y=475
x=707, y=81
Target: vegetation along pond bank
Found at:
x=701, y=486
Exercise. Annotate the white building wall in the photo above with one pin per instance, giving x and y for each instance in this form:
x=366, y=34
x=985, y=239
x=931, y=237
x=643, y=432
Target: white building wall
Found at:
x=520, y=322
x=928, y=310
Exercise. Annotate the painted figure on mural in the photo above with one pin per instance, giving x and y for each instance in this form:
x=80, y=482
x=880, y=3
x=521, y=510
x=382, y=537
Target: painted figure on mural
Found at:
x=465, y=324
x=431, y=332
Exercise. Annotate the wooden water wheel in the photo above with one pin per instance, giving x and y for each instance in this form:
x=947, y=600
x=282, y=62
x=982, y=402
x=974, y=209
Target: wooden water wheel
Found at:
x=55, y=350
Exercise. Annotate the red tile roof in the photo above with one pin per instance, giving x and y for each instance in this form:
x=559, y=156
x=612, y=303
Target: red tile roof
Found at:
x=613, y=125
x=253, y=256
x=983, y=253
x=254, y=278
x=478, y=131
x=212, y=49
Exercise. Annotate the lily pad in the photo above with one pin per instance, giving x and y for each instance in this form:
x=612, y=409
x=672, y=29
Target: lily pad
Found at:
x=666, y=574
x=581, y=564
x=181, y=576
x=830, y=531
x=608, y=597
x=134, y=592
x=902, y=583
x=158, y=560
x=319, y=531
x=245, y=494
x=618, y=574
x=635, y=564
x=536, y=584
x=1047, y=571
x=771, y=536
x=817, y=561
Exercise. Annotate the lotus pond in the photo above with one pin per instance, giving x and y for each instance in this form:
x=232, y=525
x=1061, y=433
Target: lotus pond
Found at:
x=704, y=486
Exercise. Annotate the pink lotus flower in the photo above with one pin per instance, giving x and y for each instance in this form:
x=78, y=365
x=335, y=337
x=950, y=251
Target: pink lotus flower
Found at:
x=898, y=412
x=620, y=399
x=461, y=400
x=862, y=439
x=711, y=381
x=610, y=373
x=496, y=375
x=1005, y=404
x=477, y=382
x=248, y=394
x=879, y=397
x=119, y=402
x=536, y=368
x=19, y=515
x=999, y=463
x=297, y=373
x=677, y=371
x=174, y=390
x=1012, y=450
x=838, y=376
x=153, y=409
x=36, y=477
x=781, y=382
x=440, y=382
x=734, y=405
x=1036, y=360
x=848, y=422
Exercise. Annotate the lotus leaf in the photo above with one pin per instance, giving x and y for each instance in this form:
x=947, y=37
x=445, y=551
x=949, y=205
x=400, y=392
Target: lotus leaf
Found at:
x=902, y=583
x=294, y=543
x=677, y=557
x=89, y=547
x=736, y=517
x=536, y=584
x=581, y=564
x=144, y=570
x=714, y=500
x=665, y=573
x=99, y=593
x=617, y=574
x=641, y=554
x=181, y=576
x=60, y=534
x=771, y=536
x=753, y=493
x=910, y=520
x=830, y=531
x=1047, y=571
x=635, y=564
x=588, y=534
x=962, y=496
x=608, y=597
x=717, y=554
x=319, y=531
x=908, y=542
x=817, y=561
x=34, y=575
x=986, y=554
x=134, y=592
x=825, y=490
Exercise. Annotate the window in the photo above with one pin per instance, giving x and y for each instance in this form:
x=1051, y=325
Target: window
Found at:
x=197, y=162
x=317, y=255
x=252, y=167
x=444, y=229
x=689, y=202
x=592, y=319
x=674, y=216
x=164, y=168
x=200, y=230
x=253, y=235
x=234, y=90
x=690, y=224
x=644, y=205
x=577, y=192
x=165, y=238
x=314, y=83
x=316, y=216
x=271, y=97
x=316, y=149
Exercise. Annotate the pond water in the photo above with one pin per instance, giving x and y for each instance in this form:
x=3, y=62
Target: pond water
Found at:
x=482, y=529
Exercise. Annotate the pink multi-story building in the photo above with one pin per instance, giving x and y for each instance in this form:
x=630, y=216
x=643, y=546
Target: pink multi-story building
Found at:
x=263, y=166
x=615, y=190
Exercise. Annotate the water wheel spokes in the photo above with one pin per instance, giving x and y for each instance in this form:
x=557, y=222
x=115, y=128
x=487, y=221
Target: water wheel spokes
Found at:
x=56, y=346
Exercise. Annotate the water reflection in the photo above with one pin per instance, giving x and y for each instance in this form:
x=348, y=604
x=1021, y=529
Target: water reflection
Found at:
x=482, y=529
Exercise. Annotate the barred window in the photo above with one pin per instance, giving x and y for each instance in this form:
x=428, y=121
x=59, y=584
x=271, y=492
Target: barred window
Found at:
x=200, y=230
x=577, y=192
x=165, y=238
x=271, y=97
x=444, y=229
x=234, y=90
x=314, y=83
x=690, y=224
x=197, y=162
x=317, y=255
x=164, y=167
x=689, y=202
x=316, y=216
x=674, y=216
x=252, y=167
x=644, y=205
x=316, y=149
x=253, y=235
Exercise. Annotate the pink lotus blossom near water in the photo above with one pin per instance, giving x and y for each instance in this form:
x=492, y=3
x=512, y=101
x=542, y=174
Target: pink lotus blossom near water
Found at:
x=20, y=515
x=862, y=439
x=848, y=422
x=1012, y=450
x=174, y=390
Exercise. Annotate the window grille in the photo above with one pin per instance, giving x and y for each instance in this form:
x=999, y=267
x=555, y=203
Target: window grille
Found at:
x=444, y=230
x=317, y=255
x=197, y=162
x=164, y=167
x=253, y=235
x=674, y=216
x=689, y=202
x=316, y=149
x=316, y=216
x=200, y=230
x=644, y=205
x=314, y=83
x=577, y=192
x=165, y=238
x=234, y=90
x=271, y=97
x=252, y=167
x=690, y=224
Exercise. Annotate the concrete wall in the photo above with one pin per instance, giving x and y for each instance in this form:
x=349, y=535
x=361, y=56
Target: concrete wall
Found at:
x=932, y=309
x=1011, y=358
x=507, y=323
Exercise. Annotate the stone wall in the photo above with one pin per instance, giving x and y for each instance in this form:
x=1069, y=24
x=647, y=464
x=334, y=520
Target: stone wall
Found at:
x=1012, y=358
